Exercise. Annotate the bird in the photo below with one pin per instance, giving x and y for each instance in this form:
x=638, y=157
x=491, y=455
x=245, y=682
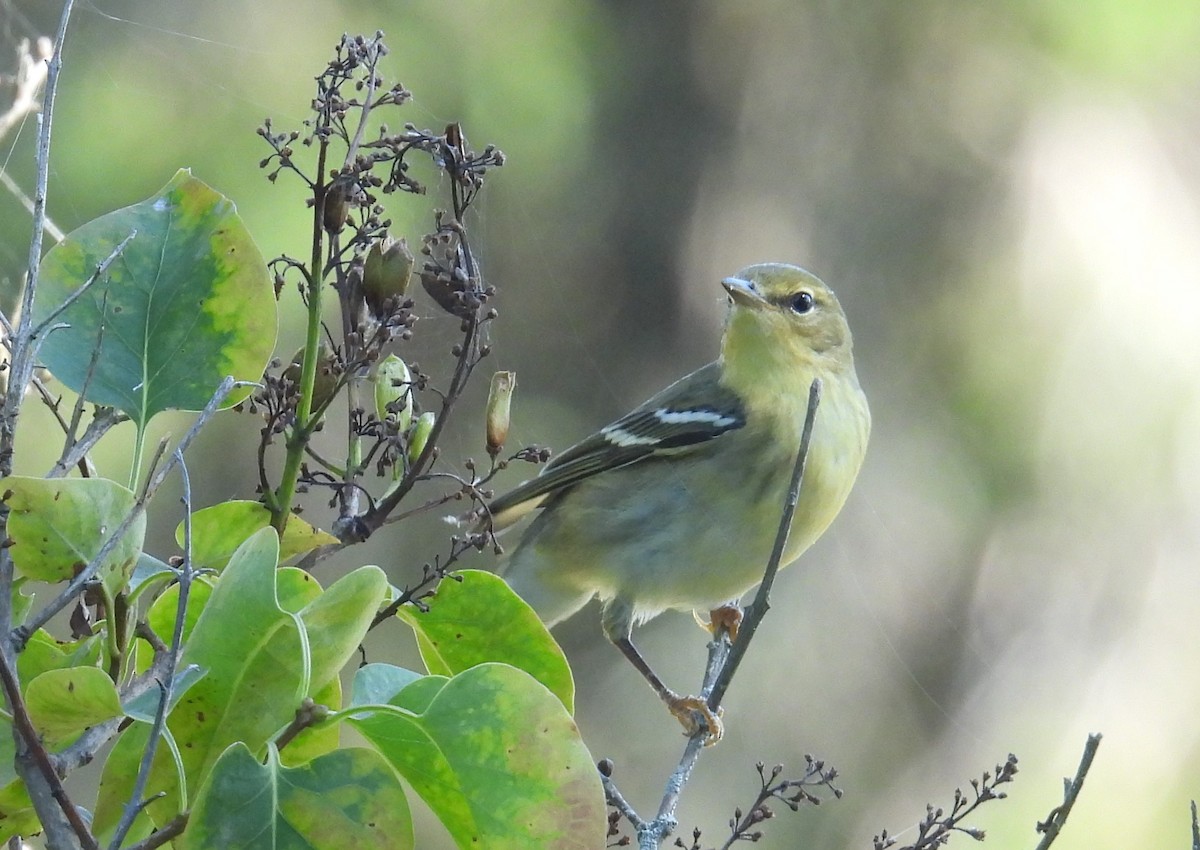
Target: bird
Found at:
x=676, y=504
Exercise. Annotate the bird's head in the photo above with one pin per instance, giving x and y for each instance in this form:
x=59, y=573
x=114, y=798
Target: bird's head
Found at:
x=782, y=311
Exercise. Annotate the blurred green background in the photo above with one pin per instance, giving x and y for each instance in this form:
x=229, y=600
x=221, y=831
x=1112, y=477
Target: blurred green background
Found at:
x=1003, y=195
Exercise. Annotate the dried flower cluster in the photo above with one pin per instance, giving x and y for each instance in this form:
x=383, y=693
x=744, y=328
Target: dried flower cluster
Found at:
x=938, y=825
x=369, y=270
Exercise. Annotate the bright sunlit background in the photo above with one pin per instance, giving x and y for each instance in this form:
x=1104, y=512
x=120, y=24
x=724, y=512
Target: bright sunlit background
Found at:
x=1004, y=197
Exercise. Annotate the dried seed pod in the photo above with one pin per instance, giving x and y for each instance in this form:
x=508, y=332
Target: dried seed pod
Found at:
x=325, y=383
x=499, y=404
x=337, y=203
x=443, y=290
x=387, y=269
x=441, y=275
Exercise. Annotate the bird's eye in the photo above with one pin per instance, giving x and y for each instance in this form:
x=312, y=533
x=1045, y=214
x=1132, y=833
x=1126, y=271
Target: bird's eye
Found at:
x=802, y=302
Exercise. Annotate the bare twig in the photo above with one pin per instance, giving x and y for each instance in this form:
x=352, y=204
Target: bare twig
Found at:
x=96, y=275
x=102, y=422
x=22, y=633
x=1195, y=828
x=374, y=53
x=308, y=714
x=34, y=751
x=1057, y=818
x=23, y=357
x=762, y=599
x=174, y=827
x=61, y=821
x=938, y=825
x=614, y=798
x=723, y=660
x=184, y=576
x=791, y=792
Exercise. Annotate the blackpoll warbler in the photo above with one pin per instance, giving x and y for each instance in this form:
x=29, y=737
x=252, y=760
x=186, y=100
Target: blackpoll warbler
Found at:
x=677, y=503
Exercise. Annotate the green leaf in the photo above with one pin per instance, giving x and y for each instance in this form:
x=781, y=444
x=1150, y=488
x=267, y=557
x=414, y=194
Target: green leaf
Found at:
x=58, y=525
x=338, y=620
x=63, y=703
x=187, y=303
x=265, y=639
x=21, y=604
x=8, y=755
x=498, y=759
x=116, y=784
x=148, y=568
x=219, y=529
x=145, y=707
x=477, y=618
x=164, y=610
x=350, y=798
x=417, y=696
x=378, y=684
x=256, y=673
x=252, y=650
x=42, y=653
x=17, y=815
x=383, y=684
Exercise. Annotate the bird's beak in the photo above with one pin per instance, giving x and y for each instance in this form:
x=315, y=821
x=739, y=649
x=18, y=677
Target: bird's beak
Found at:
x=743, y=292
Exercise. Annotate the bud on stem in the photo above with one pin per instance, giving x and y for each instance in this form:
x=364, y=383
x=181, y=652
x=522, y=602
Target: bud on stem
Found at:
x=337, y=204
x=393, y=394
x=420, y=435
x=499, y=405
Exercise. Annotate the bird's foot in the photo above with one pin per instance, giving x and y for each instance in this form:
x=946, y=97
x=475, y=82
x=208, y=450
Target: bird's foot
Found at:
x=695, y=715
x=727, y=617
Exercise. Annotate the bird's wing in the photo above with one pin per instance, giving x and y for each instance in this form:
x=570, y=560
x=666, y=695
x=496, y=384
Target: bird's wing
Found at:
x=685, y=415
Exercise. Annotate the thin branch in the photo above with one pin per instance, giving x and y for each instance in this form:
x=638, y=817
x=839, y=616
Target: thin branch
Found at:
x=762, y=599
x=1057, y=818
x=65, y=829
x=723, y=659
x=941, y=823
x=308, y=714
x=1195, y=828
x=23, y=353
x=36, y=752
x=22, y=633
x=185, y=574
x=96, y=275
x=90, y=374
x=375, y=518
x=367, y=104
x=102, y=422
x=86, y=470
x=174, y=827
x=613, y=797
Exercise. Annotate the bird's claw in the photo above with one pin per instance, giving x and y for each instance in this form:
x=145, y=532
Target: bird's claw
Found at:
x=694, y=714
x=727, y=617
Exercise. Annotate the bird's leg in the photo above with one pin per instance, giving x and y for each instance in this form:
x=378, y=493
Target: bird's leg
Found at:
x=619, y=630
